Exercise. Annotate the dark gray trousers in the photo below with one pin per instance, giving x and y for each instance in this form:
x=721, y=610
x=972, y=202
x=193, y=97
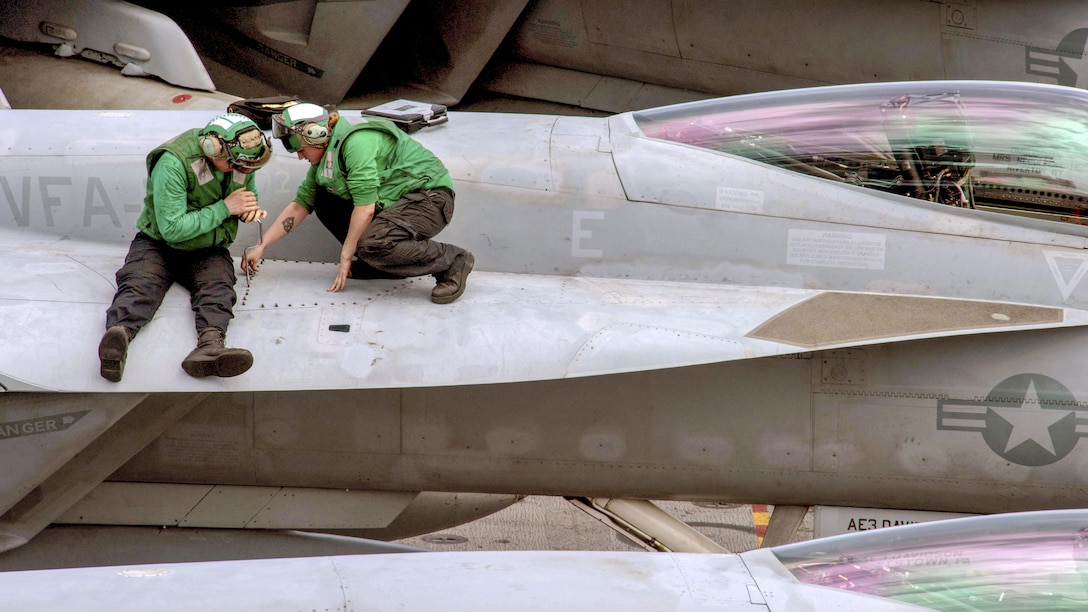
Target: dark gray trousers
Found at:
x=398, y=243
x=151, y=267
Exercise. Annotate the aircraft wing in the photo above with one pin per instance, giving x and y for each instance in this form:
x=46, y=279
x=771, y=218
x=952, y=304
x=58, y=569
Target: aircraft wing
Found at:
x=387, y=333
x=1030, y=560
x=523, y=580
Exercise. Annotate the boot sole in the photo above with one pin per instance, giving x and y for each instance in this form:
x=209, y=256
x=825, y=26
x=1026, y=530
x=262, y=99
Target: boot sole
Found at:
x=463, y=274
x=223, y=366
x=112, y=351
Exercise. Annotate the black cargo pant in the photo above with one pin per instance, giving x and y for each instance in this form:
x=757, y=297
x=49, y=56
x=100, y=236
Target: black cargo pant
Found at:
x=397, y=244
x=152, y=266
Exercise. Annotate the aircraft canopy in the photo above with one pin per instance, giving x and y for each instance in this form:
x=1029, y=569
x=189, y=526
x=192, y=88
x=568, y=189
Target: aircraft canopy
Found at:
x=1014, y=147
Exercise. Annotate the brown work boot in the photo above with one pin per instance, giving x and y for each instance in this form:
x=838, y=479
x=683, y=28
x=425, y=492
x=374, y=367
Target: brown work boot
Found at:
x=112, y=351
x=211, y=358
x=451, y=283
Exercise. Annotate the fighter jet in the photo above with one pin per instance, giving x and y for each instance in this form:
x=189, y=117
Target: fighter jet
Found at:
x=860, y=295
x=1025, y=561
x=594, y=55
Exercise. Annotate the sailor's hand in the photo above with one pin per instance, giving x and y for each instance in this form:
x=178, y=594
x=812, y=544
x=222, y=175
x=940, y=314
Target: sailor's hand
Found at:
x=241, y=202
x=343, y=273
x=253, y=215
x=251, y=260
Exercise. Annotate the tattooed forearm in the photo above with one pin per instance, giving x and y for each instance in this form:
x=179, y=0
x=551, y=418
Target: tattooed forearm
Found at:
x=288, y=225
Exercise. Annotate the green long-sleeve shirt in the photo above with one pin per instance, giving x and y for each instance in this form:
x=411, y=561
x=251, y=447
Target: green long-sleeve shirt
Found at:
x=184, y=203
x=378, y=163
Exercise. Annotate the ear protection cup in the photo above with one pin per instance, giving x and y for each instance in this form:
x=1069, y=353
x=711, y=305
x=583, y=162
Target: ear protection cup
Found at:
x=212, y=145
x=314, y=133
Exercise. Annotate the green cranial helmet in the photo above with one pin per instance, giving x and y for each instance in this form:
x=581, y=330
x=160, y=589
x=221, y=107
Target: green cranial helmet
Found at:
x=238, y=140
x=301, y=125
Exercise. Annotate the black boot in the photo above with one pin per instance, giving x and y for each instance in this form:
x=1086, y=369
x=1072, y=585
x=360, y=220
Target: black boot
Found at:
x=211, y=358
x=451, y=283
x=112, y=351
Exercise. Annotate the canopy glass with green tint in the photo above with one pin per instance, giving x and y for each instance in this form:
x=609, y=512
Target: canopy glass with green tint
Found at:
x=1014, y=147
x=1022, y=561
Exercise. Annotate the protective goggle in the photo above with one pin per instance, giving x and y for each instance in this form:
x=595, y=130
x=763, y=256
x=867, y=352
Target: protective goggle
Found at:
x=293, y=138
x=249, y=140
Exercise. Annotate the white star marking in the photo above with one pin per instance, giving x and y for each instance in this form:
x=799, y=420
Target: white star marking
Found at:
x=1079, y=65
x=1030, y=421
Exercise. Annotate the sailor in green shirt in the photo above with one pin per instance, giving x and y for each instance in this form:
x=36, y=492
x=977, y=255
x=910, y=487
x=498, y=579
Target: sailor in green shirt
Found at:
x=200, y=184
x=378, y=191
